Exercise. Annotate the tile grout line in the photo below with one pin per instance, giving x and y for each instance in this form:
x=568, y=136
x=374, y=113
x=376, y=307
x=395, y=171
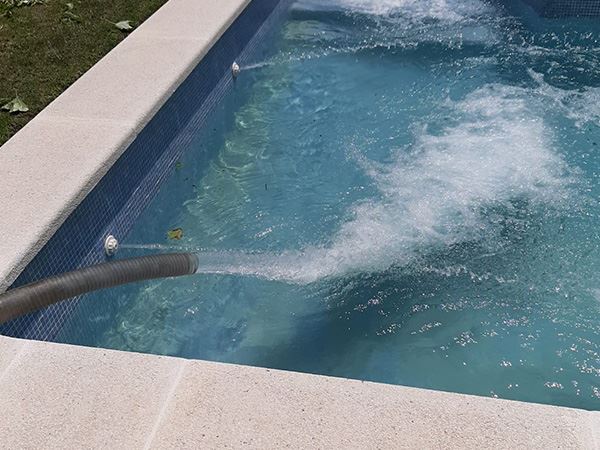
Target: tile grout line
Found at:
x=14, y=360
x=594, y=421
x=163, y=408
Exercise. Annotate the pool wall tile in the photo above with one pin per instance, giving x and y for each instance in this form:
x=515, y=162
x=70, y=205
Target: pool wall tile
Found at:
x=122, y=194
x=566, y=8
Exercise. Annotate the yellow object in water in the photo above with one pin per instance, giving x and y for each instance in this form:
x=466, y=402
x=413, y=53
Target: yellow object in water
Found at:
x=175, y=234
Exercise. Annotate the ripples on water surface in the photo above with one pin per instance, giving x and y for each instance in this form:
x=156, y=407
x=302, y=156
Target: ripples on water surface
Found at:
x=414, y=186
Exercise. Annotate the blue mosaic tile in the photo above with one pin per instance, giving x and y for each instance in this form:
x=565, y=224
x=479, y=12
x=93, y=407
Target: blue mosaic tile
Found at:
x=566, y=8
x=126, y=190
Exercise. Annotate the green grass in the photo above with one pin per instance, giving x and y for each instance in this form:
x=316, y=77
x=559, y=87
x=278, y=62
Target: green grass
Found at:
x=43, y=50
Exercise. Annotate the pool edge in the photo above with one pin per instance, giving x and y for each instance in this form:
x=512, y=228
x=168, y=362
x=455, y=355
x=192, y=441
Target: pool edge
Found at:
x=99, y=398
x=60, y=137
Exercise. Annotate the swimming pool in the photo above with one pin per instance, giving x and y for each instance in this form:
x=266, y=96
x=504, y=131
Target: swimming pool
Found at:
x=401, y=191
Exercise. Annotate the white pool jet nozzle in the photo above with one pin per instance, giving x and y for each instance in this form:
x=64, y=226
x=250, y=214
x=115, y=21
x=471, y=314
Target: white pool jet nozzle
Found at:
x=235, y=69
x=111, y=245
x=40, y=294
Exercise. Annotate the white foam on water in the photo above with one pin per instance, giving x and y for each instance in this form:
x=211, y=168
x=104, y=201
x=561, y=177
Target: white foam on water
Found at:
x=581, y=105
x=433, y=193
x=400, y=24
x=442, y=10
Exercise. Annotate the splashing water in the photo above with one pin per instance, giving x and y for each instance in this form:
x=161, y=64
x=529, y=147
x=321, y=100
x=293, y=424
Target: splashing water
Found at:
x=450, y=11
x=433, y=195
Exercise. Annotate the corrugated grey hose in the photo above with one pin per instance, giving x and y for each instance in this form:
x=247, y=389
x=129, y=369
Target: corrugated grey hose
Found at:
x=38, y=295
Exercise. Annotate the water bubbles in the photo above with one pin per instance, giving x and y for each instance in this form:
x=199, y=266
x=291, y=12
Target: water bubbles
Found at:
x=447, y=11
x=465, y=338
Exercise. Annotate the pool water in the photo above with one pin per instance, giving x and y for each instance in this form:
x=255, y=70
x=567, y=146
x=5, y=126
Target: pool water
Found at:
x=404, y=191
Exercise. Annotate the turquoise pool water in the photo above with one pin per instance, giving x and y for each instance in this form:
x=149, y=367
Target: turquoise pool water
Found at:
x=405, y=191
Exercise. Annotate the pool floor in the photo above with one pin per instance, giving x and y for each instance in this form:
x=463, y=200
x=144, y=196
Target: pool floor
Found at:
x=405, y=191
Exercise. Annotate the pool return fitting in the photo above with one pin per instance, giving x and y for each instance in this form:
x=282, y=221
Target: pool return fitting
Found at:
x=40, y=294
x=235, y=70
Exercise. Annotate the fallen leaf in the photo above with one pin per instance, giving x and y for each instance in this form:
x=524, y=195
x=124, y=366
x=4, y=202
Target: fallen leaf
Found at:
x=124, y=25
x=15, y=106
x=175, y=234
x=68, y=15
x=20, y=3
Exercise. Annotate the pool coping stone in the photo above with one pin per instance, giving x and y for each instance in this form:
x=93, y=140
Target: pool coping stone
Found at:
x=99, y=398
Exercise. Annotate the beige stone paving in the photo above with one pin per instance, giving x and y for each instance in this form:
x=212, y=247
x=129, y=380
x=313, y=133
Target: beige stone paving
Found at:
x=60, y=396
